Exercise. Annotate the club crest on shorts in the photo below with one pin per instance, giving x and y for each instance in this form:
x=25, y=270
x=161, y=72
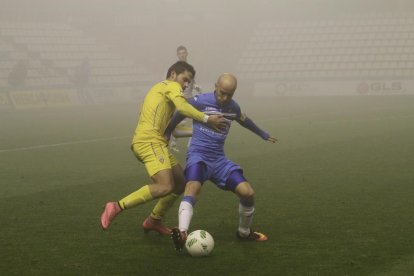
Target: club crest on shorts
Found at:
x=161, y=159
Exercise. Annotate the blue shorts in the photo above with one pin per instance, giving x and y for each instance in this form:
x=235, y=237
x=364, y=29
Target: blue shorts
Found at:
x=223, y=172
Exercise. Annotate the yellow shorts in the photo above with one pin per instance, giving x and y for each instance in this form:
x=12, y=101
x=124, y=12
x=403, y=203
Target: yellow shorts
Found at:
x=156, y=157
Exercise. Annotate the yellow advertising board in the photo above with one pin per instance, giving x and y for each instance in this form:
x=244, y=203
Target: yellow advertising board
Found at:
x=43, y=98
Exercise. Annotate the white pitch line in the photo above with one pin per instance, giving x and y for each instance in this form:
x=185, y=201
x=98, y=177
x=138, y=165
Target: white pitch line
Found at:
x=66, y=143
x=72, y=143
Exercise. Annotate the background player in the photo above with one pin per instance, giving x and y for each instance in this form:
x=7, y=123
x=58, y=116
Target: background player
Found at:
x=206, y=160
x=151, y=148
x=184, y=129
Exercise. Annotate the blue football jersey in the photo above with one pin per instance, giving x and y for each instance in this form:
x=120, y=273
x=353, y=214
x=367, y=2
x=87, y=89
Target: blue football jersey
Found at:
x=206, y=140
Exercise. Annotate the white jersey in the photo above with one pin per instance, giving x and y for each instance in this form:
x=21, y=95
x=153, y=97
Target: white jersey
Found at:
x=188, y=92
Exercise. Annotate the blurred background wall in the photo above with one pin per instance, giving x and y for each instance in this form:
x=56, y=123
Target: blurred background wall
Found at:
x=275, y=47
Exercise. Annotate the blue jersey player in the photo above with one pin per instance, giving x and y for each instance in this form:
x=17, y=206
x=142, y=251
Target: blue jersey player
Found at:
x=206, y=160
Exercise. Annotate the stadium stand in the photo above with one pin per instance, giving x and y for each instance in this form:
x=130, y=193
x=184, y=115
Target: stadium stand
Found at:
x=56, y=58
x=369, y=47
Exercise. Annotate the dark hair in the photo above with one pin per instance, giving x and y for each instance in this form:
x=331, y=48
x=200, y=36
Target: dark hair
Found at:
x=181, y=47
x=179, y=67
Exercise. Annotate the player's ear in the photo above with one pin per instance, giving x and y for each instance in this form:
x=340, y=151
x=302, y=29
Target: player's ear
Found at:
x=173, y=75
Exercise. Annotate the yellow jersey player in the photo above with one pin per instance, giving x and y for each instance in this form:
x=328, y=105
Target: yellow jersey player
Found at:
x=184, y=129
x=151, y=148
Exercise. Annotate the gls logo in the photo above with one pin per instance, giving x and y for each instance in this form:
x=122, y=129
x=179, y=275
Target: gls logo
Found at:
x=380, y=87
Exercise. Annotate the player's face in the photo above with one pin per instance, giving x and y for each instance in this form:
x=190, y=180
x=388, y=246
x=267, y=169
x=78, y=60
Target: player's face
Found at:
x=223, y=95
x=183, y=79
x=182, y=55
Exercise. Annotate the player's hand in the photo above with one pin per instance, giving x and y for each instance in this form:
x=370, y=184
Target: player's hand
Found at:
x=272, y=139
x=217, y=122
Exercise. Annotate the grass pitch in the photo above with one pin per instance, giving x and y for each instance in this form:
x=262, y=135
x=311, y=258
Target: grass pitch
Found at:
x=334, y=195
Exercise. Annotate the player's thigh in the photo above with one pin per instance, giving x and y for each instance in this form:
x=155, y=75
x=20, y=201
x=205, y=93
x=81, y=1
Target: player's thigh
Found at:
x=156, y=157
x=197, y=169
x=196, y=173
x=227, y=174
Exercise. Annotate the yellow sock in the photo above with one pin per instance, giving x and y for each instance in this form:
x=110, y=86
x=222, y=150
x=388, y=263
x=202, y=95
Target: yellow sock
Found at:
x=138, y=197
x=163, y=205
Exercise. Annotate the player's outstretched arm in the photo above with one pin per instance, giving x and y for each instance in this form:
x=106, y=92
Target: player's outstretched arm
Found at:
x=216, y=122
x=250, y=125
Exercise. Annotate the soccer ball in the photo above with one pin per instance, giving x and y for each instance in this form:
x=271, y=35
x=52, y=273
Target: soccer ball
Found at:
x=199, y=243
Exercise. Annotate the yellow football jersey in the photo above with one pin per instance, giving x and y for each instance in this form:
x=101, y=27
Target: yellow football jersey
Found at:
x=157, y=109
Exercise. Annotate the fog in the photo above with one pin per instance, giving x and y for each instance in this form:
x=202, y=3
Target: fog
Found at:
x=332, y=80
x=221, y=36
x=215, y=32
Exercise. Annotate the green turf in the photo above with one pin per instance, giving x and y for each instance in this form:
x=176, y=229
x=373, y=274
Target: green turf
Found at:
x=335, y=194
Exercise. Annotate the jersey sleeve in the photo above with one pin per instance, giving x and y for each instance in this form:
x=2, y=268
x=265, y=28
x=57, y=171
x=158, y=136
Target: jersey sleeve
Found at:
x=195, y=102
x=246, y=122
x=173, y=93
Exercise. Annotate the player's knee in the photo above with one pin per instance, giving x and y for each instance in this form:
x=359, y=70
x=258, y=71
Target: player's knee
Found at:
x=193, y=188
x=251, y=194
x=165, y=187
x=248, y=194
x=245, y=191
x=165, y=190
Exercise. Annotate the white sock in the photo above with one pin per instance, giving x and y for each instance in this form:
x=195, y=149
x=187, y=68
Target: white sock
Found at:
x=185, y=213
x=245, y=219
